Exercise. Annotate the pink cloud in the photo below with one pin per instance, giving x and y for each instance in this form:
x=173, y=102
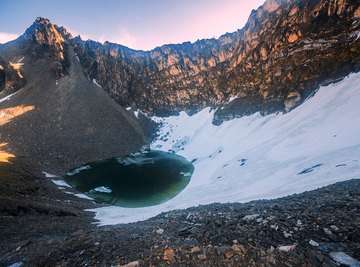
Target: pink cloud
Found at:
x=7, y=37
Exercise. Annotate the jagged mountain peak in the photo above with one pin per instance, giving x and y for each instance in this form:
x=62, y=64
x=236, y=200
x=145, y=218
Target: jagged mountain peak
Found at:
x=42, y=31
x=283, y=53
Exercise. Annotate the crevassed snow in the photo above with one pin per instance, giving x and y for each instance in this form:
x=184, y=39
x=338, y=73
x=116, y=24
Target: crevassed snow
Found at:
x=95, y=82
x=257, y=157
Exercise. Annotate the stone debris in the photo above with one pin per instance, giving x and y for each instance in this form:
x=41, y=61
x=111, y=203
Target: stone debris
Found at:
x=214, y=235
x=131, y=264
x=160, y=231
x=169, y=254
x=286, y=248
x=313, y=243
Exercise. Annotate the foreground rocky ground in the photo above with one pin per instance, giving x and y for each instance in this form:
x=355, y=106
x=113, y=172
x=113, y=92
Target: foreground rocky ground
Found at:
x=42, y=226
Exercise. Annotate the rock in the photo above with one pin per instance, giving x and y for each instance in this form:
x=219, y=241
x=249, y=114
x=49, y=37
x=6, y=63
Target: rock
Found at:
x=286, y=248
x=313, y=243
x=229, y=255
x=201, y=257
x=195, y=249
x=238, y=248
x=292, y=99
x=328, y=231
x=131, y=264
x=250, y=217
x=160, y=231
x=169, y=254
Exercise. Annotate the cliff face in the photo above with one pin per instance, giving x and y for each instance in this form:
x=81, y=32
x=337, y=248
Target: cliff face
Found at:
x=11, y=78
x=284, y=52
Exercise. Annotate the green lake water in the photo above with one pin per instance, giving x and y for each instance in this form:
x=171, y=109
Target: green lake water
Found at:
x=143, y=179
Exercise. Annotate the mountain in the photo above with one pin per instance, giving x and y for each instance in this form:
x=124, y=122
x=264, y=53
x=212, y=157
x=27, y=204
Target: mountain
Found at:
x=56, y=117
x=284, y=52
x=261, y=113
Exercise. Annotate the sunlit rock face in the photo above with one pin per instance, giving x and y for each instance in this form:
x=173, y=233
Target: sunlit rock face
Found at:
x=11, y=78
x=46, y=40
x=285, y=47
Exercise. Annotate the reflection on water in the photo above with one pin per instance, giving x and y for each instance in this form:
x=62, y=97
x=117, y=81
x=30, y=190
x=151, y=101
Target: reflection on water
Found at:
x=139, y=180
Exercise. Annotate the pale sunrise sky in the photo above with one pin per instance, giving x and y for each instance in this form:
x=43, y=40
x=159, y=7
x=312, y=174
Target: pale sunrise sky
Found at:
x=138, y=24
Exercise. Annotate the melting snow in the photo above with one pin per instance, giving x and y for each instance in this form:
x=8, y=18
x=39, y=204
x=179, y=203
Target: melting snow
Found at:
x=77, y=170
x=60, y=183
x=260, y=157
x=49, y=175
x=83, y=196
x=103, y=189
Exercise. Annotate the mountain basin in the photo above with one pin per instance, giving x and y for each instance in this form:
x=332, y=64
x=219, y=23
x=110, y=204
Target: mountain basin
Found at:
x=142, y=179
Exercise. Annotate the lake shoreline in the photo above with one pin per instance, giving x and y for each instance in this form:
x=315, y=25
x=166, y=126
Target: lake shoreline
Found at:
x=42, y=226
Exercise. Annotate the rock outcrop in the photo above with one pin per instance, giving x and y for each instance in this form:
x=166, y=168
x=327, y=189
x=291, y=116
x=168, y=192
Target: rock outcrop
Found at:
x=11, y=78
x=60, y=119
x=284, y=52
x=44, y=39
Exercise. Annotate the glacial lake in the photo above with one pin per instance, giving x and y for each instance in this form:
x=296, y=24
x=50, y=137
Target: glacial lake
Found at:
x=142, y=179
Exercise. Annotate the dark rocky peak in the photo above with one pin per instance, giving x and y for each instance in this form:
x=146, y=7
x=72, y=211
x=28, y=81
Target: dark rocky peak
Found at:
x=44, y=39
x=42, y=31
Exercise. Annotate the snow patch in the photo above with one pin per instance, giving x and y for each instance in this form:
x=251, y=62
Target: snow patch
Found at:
x=232, y=99
x=77, y=170
x=343, y=258
x=136, y=113
x=49, y=175
x=95, y=82
x=60, y=183
x=8, y=97
x=103, y=189
x=83, y=196
x=260, y=157
x=17, y=264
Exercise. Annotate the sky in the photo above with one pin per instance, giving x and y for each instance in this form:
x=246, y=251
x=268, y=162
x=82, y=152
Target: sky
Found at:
x=138, y=24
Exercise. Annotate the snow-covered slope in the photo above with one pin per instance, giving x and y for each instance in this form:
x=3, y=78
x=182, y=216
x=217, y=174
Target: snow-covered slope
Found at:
x=257, y=156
